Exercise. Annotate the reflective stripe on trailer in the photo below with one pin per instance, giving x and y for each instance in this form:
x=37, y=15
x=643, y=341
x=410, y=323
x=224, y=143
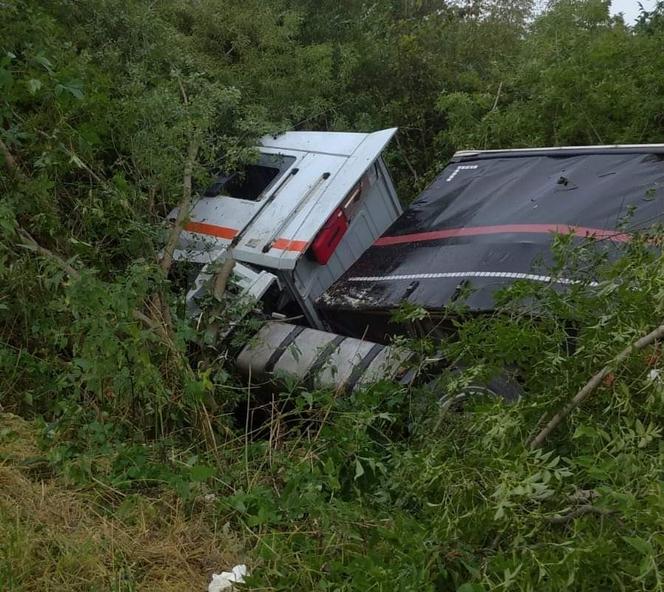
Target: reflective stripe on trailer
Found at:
x=580, y=231
x=469, y=274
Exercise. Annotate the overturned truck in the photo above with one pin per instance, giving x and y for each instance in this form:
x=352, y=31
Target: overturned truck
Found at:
x=318, y=235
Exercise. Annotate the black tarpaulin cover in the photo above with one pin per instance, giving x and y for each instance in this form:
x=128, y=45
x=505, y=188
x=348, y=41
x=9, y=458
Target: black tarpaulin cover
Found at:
x=489, y=217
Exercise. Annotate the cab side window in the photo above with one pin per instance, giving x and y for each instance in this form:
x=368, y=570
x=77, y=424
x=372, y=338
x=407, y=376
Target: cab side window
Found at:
x=253, y=181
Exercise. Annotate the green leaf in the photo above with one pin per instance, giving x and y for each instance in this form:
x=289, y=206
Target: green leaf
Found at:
x=5, y=78
x=200, y=473
x=640, y=544
x=468, y=587
x=33, y=85
x=73, y=87
x=45, y=62
x=359, y=469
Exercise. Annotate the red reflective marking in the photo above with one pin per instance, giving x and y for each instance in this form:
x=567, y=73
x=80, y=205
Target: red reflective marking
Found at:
x=289, y=245
x=211, y=229
x=581, y=231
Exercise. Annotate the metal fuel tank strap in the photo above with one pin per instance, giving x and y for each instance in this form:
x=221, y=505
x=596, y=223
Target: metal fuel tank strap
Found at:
x=323, y=357
x=360, y=369
x=282, y=347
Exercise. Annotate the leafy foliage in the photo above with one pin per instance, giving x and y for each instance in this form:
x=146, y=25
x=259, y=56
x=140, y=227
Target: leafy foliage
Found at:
x=103, y=104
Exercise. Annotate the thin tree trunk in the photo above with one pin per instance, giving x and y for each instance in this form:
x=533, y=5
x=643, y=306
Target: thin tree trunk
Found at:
x=593, y=383
x=221, y=278
x=183, y=208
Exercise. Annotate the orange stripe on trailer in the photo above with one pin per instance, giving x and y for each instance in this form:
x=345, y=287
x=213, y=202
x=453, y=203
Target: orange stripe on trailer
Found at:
x=211, y=229
x=286, y=244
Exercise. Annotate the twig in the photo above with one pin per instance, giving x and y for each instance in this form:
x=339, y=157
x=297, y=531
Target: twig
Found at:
x=28, y=241
x=578, y=512
x=10, y=161
x=77, y=160
x=406, y=160
x=495, y=103
x=593, y=383
x=162, y=330
x=184, y=207
x=183, y=92
x=75, y=157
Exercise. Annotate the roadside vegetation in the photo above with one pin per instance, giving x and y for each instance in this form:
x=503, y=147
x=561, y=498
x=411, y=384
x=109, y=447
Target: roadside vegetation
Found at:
x=126, y=462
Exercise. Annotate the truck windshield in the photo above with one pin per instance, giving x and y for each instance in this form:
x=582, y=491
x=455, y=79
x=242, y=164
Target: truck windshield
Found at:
x=253, y=180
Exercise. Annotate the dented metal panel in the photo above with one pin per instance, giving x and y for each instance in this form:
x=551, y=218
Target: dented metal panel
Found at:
x=376, y=210
x=335, y=143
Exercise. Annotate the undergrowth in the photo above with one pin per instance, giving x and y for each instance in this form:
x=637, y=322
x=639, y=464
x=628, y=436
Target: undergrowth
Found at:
x=127, y=461
x=382, y=489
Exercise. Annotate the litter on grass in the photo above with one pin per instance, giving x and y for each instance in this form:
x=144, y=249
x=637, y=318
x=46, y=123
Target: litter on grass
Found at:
x=226, y=579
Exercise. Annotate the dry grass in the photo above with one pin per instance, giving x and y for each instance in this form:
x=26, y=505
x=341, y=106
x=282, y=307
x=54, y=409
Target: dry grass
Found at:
x=54, y=538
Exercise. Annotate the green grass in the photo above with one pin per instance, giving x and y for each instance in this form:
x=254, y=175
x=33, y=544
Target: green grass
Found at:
x=60, y=537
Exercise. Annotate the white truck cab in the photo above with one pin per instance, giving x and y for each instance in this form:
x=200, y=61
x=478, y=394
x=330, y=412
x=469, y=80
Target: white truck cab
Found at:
x=299, y=217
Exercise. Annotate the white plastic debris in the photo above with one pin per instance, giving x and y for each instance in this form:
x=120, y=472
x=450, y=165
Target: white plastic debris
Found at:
x=654, y=375
x=226, y=579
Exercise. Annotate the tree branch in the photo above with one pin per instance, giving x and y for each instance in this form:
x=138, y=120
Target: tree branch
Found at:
x=576, y=513
x=406, y=160
x=10, y=161
x=29, y=242
x=221, y=277
x=183, y=208
x=593, y=383
x=495, y=103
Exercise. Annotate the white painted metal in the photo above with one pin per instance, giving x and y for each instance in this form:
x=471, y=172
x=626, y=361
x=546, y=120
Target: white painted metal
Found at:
x=556, y=149
x=274, y=232
x=298, y=357
x=379, y=207
x=336, y=143
x=255, y=355
x=387, y=364
x=338, y=368
x=252, y=284
x=344, y=157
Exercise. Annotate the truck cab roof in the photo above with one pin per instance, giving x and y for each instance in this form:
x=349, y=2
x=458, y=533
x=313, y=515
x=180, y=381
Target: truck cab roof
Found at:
x=271, y=212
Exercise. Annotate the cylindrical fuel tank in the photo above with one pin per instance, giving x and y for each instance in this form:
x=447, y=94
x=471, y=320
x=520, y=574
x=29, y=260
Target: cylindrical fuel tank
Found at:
x=320, y=358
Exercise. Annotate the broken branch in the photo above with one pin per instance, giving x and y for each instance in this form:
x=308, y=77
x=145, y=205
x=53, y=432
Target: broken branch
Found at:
x=593, y=383
x=576, y=513
x=406, y=160
x=183, y=208
x=495, y=103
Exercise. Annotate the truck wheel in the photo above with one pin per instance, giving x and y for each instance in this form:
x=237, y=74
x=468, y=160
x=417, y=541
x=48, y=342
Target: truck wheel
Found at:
x=503, y=387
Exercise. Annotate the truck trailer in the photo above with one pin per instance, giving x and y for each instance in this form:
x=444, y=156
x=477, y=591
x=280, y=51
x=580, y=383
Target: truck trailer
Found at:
x=318, y=233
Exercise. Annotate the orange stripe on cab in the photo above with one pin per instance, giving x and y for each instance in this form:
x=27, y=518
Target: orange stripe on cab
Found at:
x=289, y=245
x=284, y=244
x=211, y=229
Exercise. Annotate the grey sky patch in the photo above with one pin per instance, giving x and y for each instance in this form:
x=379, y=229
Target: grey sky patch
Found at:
x=630, y=8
